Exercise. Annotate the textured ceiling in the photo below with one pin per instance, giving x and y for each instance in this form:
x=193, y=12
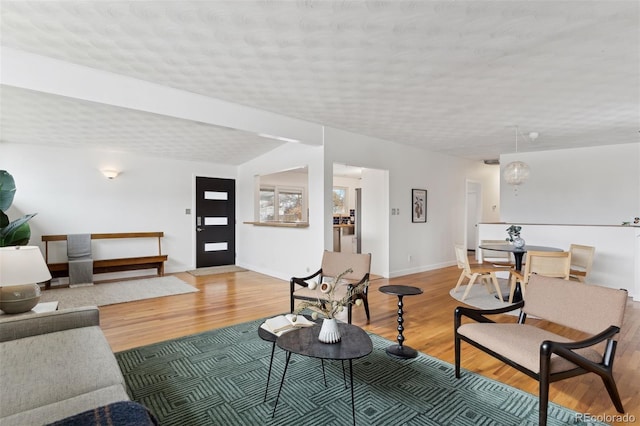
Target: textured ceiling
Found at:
x=449, y=76
x=33, y=117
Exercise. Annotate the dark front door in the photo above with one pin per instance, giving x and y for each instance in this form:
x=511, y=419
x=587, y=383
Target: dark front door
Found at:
x=215, y=222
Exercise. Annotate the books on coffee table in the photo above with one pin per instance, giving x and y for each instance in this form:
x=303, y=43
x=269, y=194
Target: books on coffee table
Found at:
x=283, y=323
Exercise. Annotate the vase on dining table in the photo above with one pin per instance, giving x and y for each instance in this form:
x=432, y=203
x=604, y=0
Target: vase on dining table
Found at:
x=329, y=332
x=518, y=242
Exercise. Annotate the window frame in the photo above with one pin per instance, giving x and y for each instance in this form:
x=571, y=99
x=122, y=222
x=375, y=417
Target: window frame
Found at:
x=277, y=190
x=345, y=205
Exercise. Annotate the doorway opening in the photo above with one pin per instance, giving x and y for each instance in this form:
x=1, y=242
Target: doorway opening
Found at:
x=363, y=225
x=473, y=209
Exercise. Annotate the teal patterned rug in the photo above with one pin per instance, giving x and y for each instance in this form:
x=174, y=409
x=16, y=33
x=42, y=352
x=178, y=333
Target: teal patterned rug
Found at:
x=219, y=377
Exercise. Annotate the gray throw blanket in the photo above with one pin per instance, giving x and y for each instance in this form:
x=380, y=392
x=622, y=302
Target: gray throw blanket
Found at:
x=80, y=261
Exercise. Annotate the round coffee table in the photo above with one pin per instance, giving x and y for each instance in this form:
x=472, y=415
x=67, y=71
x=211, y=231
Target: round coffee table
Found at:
x=355, y=343
x=400, y=350
x=268, y=336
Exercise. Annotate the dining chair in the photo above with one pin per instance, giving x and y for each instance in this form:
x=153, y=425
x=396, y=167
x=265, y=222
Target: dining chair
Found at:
x=555, y=264
x=495, y=257
x=473, y=272
x=581, y=260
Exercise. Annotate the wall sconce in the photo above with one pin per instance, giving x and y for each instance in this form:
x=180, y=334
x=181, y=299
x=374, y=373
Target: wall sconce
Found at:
x=110, y=174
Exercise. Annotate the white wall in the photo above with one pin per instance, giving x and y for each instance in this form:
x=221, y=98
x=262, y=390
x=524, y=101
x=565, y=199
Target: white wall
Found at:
x=592, y=186
x=616, y=255
x=430, y=244
x=277, y=251
x=374, y=234
x=70, y=194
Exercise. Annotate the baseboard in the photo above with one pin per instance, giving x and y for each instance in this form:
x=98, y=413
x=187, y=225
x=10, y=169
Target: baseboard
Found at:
x=418, y=269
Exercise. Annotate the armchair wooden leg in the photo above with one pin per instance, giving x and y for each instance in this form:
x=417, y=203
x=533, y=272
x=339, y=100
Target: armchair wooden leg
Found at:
x=543, y=403
x=457, y=356
x=610, y=384
x=365, y=302
x=543, y=396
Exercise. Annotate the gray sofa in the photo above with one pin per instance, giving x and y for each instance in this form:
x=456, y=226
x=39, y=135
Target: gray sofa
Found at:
x=54, y=365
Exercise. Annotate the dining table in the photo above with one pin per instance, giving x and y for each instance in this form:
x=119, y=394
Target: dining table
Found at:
x=518, y=254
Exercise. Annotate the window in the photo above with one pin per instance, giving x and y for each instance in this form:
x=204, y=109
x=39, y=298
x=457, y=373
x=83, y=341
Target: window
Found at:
x=282, y=197
x=340, y=205
x=290, y=205
x=288, y=200
x=267, y=204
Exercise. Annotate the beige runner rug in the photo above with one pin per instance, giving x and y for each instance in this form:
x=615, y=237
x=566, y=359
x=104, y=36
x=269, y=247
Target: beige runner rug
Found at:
x=212, y=270
x=117, y=292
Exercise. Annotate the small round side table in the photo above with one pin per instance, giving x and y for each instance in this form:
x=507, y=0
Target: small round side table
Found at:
x=400, y=350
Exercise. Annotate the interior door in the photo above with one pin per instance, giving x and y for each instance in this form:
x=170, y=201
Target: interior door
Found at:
x=215, y=222
x=474, y=215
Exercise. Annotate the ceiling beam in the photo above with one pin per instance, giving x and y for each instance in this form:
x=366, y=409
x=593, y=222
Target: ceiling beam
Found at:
x=48, y=75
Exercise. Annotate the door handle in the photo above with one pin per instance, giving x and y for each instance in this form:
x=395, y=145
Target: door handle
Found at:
x=199, y=229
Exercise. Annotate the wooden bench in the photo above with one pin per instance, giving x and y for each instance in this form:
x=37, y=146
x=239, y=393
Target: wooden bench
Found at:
x=61, y=269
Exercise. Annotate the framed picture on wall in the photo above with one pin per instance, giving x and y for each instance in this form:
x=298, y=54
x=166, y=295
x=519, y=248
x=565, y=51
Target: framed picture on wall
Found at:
x=418, y=205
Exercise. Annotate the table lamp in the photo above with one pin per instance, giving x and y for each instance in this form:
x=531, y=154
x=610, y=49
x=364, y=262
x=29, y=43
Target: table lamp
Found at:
x=21, y=269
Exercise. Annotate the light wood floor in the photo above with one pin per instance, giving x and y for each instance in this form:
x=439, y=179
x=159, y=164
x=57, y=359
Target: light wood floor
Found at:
x=232, y=298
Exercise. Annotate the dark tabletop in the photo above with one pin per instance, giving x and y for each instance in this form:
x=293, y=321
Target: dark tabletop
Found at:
x=355, y=343
x=514, y=249
x=266, y=335
x=400, y=290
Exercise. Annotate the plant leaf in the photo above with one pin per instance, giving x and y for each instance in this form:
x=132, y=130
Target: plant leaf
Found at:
x=4, y=219
x=17, y=233
x=7, y=190
x=19, y=237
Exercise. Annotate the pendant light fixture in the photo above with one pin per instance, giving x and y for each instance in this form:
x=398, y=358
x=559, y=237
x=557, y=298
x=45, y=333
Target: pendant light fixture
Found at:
x=516, y=172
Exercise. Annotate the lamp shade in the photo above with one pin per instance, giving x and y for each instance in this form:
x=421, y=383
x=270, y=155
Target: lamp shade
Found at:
x=22, y=265
x=516, y=172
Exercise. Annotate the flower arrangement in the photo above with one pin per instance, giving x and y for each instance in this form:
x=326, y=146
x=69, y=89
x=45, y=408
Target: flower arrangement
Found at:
x=329, y=306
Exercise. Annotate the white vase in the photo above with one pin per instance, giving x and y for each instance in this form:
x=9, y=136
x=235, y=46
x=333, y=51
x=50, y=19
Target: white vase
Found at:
x=518, y=242
x=329, y=332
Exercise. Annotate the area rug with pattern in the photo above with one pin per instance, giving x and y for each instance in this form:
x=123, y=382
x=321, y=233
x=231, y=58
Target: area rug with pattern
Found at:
x=219, y=377
x=117, y=292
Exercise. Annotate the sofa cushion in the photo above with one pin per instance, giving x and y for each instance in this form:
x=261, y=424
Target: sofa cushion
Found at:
x=521, y=344
x=54, y=367
x=66, y=408
x=31, y=324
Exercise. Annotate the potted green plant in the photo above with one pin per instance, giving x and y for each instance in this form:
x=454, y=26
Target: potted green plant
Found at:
x=18, y=232
x=514, y=236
